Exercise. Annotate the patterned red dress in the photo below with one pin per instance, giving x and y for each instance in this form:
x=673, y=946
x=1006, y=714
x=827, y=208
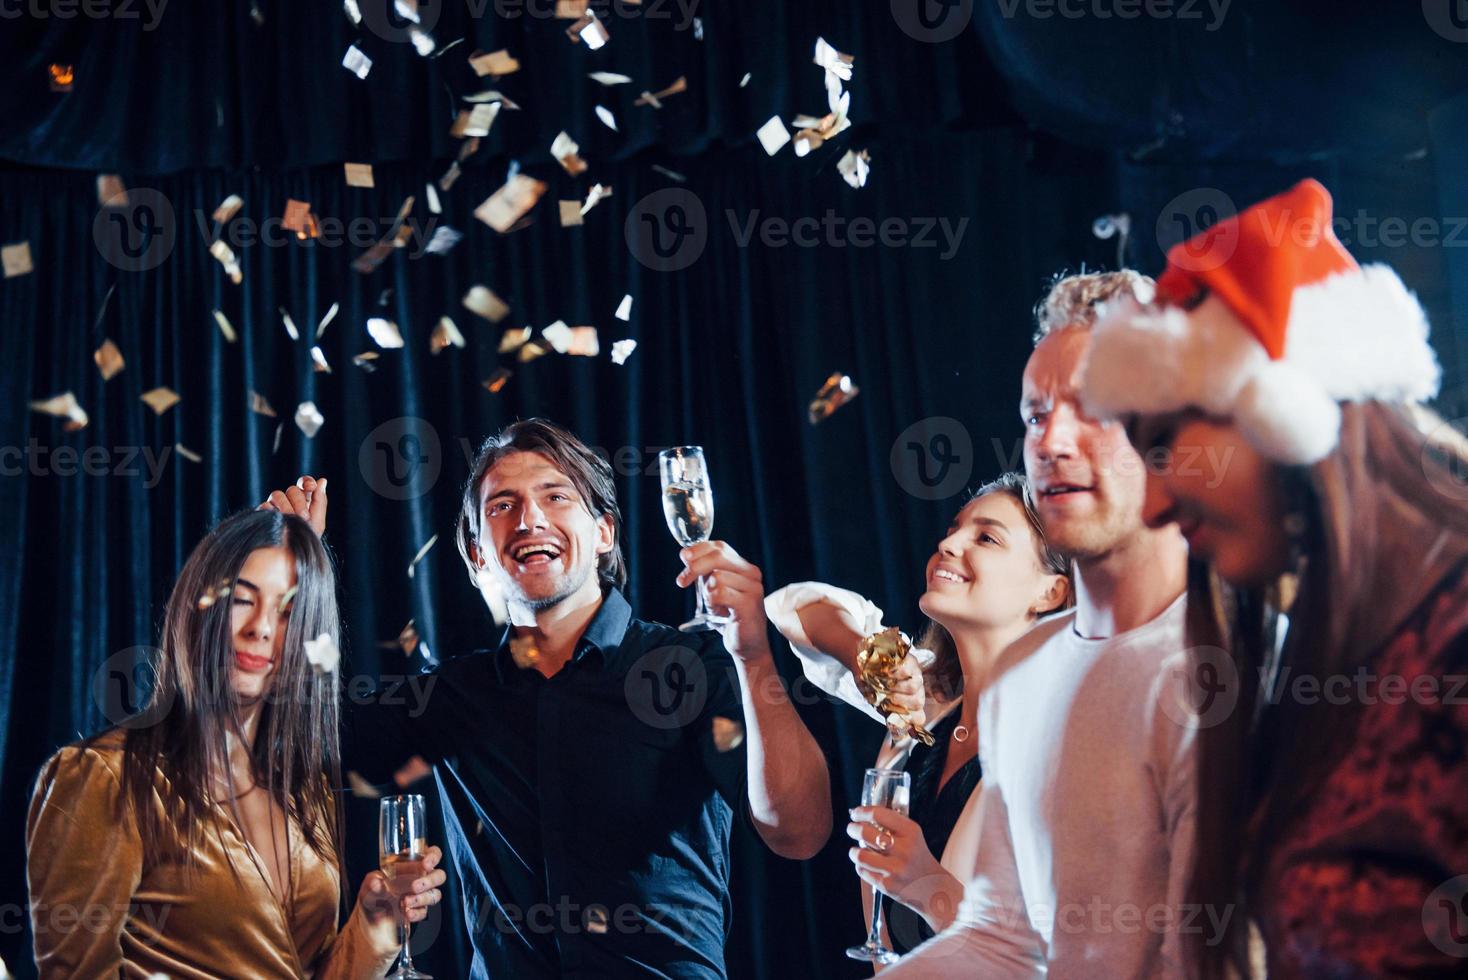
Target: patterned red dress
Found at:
x=1372, y=881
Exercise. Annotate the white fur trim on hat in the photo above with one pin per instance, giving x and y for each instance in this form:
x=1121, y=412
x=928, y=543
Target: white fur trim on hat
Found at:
x=1286, y=415
x=1362, y=335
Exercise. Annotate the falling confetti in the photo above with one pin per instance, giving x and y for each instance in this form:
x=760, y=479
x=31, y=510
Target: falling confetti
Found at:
x=228, y=208
x=413, y=565
x=605, y=115
x=773, y=135
x=407, y=640
x=63, y=406
x=364, y=361
x=530, y=352
x=483, y=302
x=570, y=213
x=160, y=400
x=622, y=349
x=297, y=215
x=495, y=63
x=445, y=334
x=590, y=31
x=359, y=174
x=654, y=99
x=309, y=419
x=16, y=259
x=361, y=788
x=225, y=327
x=584, y=342
x=837, y=391
x=495, y=382
x=833, y=61
x=508, y=204
x=221, y=251
x=558, y=334
x=109, y=360
x=385, y=332
x=330, y=315
x=476, y=121
x=318, y=361
x=187, y=453
x=62, y=77
x=290, y=324
x=323, y=654
x=260, y=405
x=356, y=62
x=594, y=197
x=111, y=192
x=728, y=734
x=442, y=241
x=609, y=78
x=524, y=651
x=854, y=167
x=513, y=340
x=565, y=150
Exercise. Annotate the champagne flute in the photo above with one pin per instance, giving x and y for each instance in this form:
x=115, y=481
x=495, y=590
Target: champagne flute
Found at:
x=402, y=844
x=688, y=504
x=888, y=788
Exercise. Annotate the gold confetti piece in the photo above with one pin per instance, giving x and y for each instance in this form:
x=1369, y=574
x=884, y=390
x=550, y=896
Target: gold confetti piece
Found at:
x=356, y=62
x=433, y=206
x=530, y=352
x=854, y=168
x=63, y=406
x=62, y=77
x=570, y=9
x=565, y=150
x=407, y=640
x=524, y=652
x=469, y=148
x=286, y=597
x=221, y=591
x=444, y=335
x=624, y=308
x=773, y=135
x=878, y=658
x=570, y=213
x=496, y=63
x=385, y=332
x=330, y=315
x=16, y=259
x=187, y=453
x=364, y=360
x=837, y=391
x=745, y=80
x=476, y=121
x=495, y=382
x=513, y=340
x=361, y=788
x=309, y=419
x=358, y=174
x=584, y=342
x=260, y=405
x=323, y=654
x=508, y=204
x=297, y=215
x=605, y=115
x=594, y=196
x=412, y=565
x=558, y=335
x=621, y=350
x=221, y=251
x=275, y=443
x=833, y=61
x=373, y=257
x=596, y=920
x=654, y=99
x=160, y=400
x=450, y=177
x=483, y=302
x=590, y=31
x=225, y=327
x=109, y=359
x=813, y=132
x=111, y=192
x=228, y=208
x=728, y=734
x=318, y=360
x=609, y=78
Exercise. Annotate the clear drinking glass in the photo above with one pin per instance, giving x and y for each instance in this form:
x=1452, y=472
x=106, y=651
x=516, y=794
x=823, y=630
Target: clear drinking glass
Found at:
x=888, y=788
x=402, y=844
x=688, y=504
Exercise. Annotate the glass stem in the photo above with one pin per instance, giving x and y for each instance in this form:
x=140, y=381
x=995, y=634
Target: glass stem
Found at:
x=874, y=940
x=702, y=596
x=407, y=953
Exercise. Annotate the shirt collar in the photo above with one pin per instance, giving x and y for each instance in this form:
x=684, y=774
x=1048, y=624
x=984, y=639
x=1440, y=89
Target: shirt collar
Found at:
x=603, y=635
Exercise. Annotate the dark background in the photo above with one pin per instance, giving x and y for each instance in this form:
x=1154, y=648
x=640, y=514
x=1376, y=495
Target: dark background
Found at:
x=1027, y=119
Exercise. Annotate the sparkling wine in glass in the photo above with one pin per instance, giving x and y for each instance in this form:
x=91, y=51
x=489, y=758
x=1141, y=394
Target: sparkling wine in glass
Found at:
x=888, y=788
x=402, y=844
x=688, y=505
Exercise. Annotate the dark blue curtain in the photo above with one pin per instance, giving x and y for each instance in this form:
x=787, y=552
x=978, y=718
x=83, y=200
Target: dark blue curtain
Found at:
x=213, y=101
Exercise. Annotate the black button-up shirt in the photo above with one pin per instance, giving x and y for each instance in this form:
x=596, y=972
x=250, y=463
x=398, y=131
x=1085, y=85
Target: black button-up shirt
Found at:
x=588, y=813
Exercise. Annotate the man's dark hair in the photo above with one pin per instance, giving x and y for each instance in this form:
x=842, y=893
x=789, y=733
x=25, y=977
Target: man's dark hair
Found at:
x=589, y=473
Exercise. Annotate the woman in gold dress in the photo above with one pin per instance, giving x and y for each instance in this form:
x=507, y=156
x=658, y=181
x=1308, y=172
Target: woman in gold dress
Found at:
x=201, y=837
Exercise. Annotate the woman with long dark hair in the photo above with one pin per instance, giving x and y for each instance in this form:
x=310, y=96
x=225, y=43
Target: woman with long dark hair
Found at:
x=991, y=577
x=1273, y=386
x=201, y=837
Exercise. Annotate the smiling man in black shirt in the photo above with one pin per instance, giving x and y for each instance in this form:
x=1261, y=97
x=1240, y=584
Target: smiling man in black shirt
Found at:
x=590, y=766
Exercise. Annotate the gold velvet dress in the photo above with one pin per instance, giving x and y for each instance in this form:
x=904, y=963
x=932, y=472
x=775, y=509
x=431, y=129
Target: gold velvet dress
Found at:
x=100, y=907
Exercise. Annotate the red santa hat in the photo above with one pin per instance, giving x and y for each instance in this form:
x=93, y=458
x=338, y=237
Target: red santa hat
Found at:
x=1265, y=319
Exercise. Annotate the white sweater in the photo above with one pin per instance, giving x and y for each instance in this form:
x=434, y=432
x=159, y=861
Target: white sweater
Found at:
x=1082, y=838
